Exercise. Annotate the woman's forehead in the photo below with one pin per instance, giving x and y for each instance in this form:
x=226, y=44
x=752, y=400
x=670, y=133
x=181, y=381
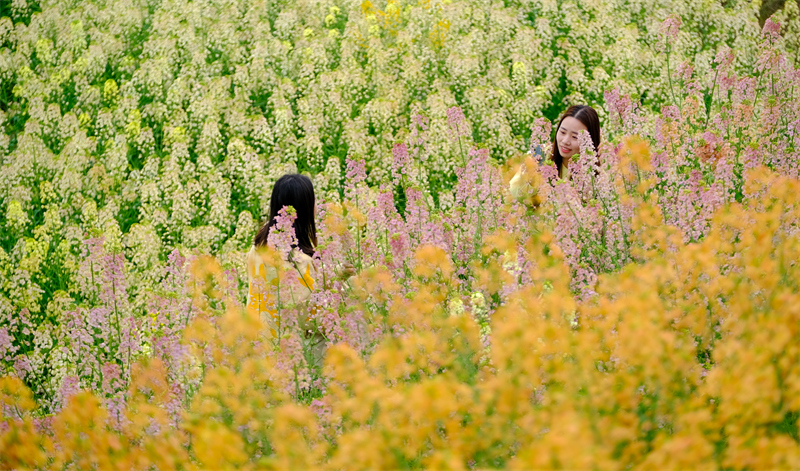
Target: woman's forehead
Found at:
x=571, y=124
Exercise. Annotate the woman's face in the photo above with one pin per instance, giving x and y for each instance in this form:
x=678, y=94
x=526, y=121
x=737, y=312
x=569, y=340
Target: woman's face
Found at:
x=567, y=137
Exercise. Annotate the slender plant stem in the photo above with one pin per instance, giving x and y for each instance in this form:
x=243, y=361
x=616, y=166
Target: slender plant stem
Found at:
x=669, y=78
x=708, y=107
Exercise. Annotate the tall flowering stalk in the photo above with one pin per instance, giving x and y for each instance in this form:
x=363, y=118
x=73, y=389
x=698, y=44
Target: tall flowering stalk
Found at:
x=668, y=34
x=356, y=201
x=101, y=337
x=457, y=128
x=170, y=313
x=335, y=317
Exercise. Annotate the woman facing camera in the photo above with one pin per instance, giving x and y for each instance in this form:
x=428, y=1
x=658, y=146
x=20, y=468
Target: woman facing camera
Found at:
x=566, y=144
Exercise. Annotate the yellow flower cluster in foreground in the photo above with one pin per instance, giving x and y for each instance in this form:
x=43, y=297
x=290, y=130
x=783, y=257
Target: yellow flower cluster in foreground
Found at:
x=690, y=360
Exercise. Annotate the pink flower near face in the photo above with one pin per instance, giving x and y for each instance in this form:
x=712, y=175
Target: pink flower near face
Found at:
x=567, y=137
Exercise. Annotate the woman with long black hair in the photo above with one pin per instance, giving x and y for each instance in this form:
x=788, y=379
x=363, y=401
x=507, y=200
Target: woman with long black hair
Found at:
x=566, y=144
x=577, y=118
x=296, y=191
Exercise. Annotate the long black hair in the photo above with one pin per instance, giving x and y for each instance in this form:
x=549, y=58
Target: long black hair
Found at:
x=297, y=191
x=588, y=117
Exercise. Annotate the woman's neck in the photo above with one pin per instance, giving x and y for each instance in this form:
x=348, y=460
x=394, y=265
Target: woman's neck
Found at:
x=564, y=166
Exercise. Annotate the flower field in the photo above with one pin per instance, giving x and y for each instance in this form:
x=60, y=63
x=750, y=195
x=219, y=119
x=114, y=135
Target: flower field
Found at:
x=644, y=314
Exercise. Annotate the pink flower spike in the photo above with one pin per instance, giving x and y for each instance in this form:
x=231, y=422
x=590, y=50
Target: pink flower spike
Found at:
x=455, y=119
x=282, y=236
x=771, y=31
x=669, y=30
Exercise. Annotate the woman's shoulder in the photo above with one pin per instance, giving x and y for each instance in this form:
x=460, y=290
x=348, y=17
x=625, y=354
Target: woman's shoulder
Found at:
x=302, y=259
x=298, y=258
x=252, y=255
x=253, y=262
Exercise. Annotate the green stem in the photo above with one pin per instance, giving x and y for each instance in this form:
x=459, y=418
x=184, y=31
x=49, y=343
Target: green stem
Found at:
x=463, y=157
x=116, y=312
x=278, y=308
x=708, y=107
x=358, y=238
x=669, y=78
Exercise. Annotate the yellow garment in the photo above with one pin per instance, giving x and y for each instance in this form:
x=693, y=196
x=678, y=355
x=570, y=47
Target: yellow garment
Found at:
x=264, y=281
